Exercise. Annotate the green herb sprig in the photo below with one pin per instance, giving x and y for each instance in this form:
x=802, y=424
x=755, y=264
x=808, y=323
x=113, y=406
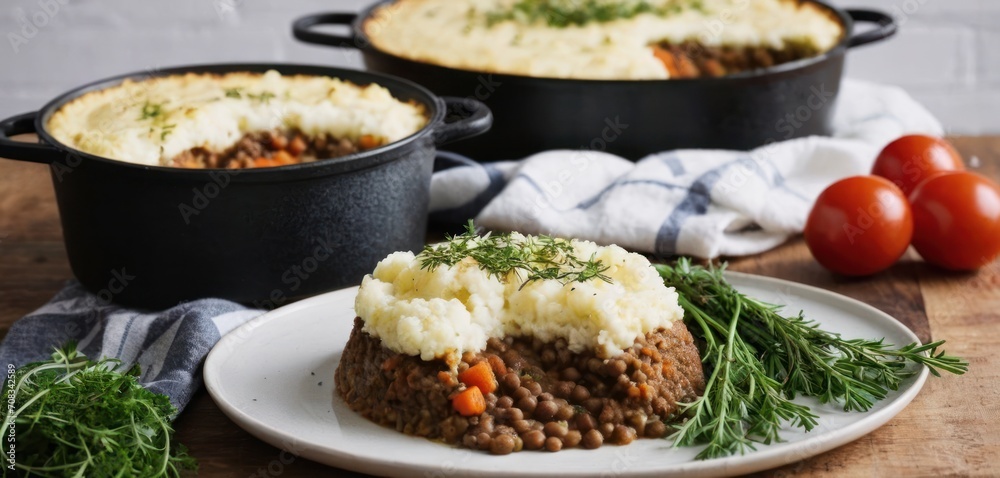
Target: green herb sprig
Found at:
x=536, y=257
x=564, y=13
x=76, y=417
x=757, y=361
x=263, y=97
x=151, y=110
x=167, y=130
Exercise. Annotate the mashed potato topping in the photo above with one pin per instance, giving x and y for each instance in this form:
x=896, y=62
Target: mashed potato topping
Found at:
x=152, y=121
x=477, y=35
x=454, y=309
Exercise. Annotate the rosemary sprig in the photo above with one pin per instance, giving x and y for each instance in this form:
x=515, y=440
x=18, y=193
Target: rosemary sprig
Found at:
x=536, y=257
x=758, y=360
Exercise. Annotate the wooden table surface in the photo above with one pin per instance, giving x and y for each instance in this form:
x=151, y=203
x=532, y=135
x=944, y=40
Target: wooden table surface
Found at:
x=947, y=430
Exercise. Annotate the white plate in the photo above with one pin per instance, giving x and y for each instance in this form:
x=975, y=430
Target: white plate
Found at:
x=274, y=377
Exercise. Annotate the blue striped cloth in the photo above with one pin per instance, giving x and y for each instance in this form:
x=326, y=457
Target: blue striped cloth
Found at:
x=691, y=202
x=169, y=345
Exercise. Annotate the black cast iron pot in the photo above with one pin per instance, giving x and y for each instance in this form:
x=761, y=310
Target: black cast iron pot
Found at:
x=154, y=236
x=632, y=118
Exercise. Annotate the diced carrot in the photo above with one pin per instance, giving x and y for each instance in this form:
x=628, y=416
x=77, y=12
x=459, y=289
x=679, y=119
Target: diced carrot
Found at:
x=645, y=391
x=444, y=376
x=633, y=392
x=469, y=402
x=391, y=363
x=297, y=146
x=714, y=68
x=282, y=158
x=263, y=163
x=479, y=375
x=368, y=141
x=279, y=141
x=678, y=65
x=668, y=59
x=499, y=368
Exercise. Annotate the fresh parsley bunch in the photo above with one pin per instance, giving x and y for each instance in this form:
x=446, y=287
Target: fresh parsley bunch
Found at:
x=74, y=417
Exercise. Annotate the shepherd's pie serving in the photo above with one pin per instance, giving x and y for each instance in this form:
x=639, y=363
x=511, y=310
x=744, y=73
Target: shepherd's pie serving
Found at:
x=234, y=120
x=604, y=39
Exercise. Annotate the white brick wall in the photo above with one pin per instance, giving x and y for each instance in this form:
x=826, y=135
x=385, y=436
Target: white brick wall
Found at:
x=947, y=54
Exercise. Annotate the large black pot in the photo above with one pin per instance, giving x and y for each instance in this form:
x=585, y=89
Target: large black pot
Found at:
x=154, y=236
x=632, y=118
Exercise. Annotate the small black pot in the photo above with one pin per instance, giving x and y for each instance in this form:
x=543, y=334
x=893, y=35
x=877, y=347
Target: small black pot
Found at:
x=632, y=118
x=154, y=236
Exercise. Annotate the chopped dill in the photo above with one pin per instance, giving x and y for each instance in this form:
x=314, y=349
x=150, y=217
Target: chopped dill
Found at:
x=263, y=97
x=151, y=110
x=536, y=257
x=564, y=13
x=167, y=129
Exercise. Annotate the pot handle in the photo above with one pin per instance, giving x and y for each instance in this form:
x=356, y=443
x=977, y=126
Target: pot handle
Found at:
x=302, y=29
x=886, y=28
x=464, y=118
x=20, y=150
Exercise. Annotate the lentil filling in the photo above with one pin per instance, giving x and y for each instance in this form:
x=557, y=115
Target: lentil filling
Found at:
x=690, y=59
x=547, y=397
x=273, y=148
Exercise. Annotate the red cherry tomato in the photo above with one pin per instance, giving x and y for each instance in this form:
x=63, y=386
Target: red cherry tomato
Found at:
x=956, y=220
x=910, y=160
x=859, y=226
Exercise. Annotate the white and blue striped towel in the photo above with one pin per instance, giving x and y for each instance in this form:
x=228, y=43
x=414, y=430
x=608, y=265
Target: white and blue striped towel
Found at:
x=691, y=202
x=702, y=203
x=168, y=345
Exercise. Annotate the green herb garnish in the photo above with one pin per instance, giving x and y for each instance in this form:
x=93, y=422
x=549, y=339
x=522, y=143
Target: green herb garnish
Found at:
x=564, y=13
x=758, y=360
x=76, y=417
x=167, y=129
x=233, y=93
x=263, y=97
x=151, y=110
x=537, y=257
